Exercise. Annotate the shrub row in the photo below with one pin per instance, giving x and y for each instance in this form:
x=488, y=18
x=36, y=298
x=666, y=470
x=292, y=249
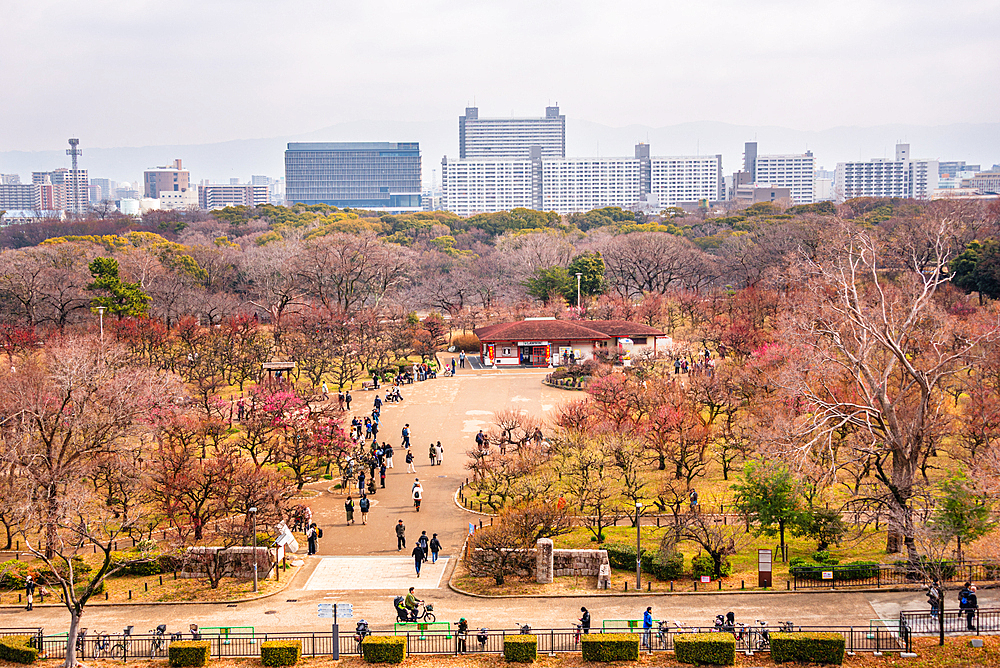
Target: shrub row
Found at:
x=703, y=564
x=610, y=647
x=18, y=649
x=189, y=652
x=855, y=570
x=280, y=652
x=520, y=648
x=716, y=649
x=826, y=648
x=13, y=572
x=666, y=566
x=384, y=649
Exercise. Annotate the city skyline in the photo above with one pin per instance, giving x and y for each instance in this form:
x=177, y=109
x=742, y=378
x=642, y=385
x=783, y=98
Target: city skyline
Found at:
x=143, y=74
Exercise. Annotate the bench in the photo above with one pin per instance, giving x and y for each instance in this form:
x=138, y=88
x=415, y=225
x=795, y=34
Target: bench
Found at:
x=367, y=385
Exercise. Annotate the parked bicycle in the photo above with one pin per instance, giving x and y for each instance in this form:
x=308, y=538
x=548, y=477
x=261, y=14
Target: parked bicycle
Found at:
x=361, y=631
x=81, y=640
x=120, y=650
x=157, y=644
x=482, y=637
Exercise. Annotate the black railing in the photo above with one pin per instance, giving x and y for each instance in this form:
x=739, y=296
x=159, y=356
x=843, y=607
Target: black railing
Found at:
x=981, y=620
x=877, y=637
x=889, y=575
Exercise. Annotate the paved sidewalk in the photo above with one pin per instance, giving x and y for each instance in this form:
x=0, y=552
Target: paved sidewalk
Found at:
x=354, y=573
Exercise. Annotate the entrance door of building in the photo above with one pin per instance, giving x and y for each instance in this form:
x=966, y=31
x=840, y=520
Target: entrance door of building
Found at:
x=533, y=355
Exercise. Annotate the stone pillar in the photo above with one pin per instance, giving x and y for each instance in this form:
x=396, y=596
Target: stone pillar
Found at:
x=544, y=562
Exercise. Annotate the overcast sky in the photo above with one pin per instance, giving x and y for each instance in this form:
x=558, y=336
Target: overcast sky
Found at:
x=142, y=72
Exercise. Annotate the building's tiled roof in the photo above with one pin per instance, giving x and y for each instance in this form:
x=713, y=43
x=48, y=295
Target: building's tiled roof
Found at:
x=563, y=330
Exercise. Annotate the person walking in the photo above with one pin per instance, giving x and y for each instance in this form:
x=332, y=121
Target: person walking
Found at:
x=585, y=621
x=378, y=403
x=453, y=366
x=424, y=544
x=461, y=360
x=968, y=603
x=365, y=505
x=361, y=481
x=934, y=597
x=400, y=535
x=311, y=536
x=439, y=453
x=480, y=440
x=693, y=498
x=381, y=474
x=347, y=399
x=406, y=435
x=29, y=592
x=435, y=548
x=410, y=468
x=418, y=557
x=418, y=493
x=388, y=455
x=340, y=400
x=326, y=391
x=647, y=627
x=433, y=454
x=349, y=507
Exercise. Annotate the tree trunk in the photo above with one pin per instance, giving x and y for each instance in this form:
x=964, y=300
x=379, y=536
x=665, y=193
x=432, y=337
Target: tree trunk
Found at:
x=74, y=628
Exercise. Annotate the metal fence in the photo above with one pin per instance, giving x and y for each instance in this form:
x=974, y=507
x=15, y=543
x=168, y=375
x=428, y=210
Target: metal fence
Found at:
x=979, y=620
x=874, y=638
x=888, y=575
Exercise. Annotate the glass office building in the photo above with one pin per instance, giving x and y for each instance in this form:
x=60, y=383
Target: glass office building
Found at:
x=384, y=176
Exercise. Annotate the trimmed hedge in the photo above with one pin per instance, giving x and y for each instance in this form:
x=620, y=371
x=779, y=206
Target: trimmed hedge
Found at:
x=717, y=649
x=17, y=649
x=703, y=564
x=855, y=570
x=610, y=647
x=280, y=652
x=520, y=648
x=384, y=649
x=664, y=566
x=189, y=652
x=807, y=647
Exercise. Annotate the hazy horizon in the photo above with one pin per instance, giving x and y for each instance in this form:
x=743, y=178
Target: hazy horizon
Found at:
x=137, y=74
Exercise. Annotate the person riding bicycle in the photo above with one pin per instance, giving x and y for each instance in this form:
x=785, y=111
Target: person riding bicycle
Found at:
x=411, y=603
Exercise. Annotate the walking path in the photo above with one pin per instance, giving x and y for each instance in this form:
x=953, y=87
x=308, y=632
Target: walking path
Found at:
x=360, y=564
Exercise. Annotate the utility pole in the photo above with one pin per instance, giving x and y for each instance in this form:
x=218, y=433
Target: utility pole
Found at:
x=578, y=306
x=253, y=513
x=638, y=545
x=74, y=151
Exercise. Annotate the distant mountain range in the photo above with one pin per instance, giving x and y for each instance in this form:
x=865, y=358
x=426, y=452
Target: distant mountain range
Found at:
x=976, y=143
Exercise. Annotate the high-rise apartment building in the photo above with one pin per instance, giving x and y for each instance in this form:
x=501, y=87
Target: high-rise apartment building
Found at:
x=794, y=171
x=20, y=197
x=10, y=179
x=568, y=185
x=511, y=138
x=172, y=177
x=903, y=177
x=69, y=190
x=384, y=176
x=220, y=195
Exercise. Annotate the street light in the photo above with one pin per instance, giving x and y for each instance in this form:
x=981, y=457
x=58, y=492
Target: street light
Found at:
x=253, y=513
x=100, y=313
x=638, y=546
x=578, y=275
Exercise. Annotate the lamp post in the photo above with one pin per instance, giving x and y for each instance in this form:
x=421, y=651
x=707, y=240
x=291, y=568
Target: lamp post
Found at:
x=638, y=546
x=100, y=314
x=578, y=275
x=253, y=513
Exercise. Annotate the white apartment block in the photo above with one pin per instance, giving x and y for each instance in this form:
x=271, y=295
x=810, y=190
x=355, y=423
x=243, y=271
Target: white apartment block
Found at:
x=171, y=200
x=571, y=185
x=795, y=172
x=469, y=187
x=986, y=182
x=511, y=138
x=903, y=177
x=582, y=184
x=220, y=195
x=675, y=180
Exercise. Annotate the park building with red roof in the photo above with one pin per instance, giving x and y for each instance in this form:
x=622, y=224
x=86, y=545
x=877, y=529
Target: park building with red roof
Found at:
x=543, y=342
